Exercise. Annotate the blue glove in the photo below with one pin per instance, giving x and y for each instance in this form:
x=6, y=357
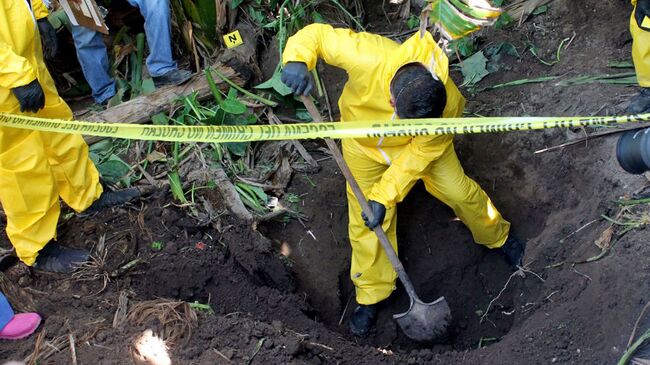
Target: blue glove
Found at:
x=48, y=36
x=30, y=97
x=642, y=12
x=378, y=214
x=296, y=76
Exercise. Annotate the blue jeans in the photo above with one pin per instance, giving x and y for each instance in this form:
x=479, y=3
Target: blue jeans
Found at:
x=6, y=313
x=91, y=50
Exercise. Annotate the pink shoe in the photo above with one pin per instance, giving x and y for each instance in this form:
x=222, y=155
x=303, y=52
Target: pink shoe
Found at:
x=20, y=326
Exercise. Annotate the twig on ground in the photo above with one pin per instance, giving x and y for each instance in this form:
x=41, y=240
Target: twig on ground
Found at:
x=176, y=317
x=95, y=268
x=122, y=309
x=146, y=175
x=487, y=310
x=37, y=349
x=274, y=214
x=579, y=229
x=55, y=345
x=222, y=355
x=73, y=350
x=345, y=309
x=256, y=350
x=264, y=187
x=273, y=119
x=524, y=269
x=632, y=349
x=581, y=274
x=520, y=272
x=321, y=345
x=593, y=136
x=636, y=324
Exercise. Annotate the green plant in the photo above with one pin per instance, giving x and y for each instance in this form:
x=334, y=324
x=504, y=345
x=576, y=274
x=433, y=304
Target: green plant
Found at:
x=252, y=196
x=198, y=22
x=464, y=46
x=413, y=22
x=111, y=167
x=457, y=19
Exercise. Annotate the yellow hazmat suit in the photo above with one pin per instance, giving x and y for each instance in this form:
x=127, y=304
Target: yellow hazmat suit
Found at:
x=387, y=168
x=36, y=167
x=641, y=49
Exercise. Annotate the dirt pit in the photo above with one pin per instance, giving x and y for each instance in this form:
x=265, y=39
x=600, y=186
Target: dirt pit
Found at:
x=574, y=305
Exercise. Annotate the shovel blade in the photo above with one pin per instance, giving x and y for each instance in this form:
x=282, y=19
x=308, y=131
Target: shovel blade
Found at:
x=425, y=321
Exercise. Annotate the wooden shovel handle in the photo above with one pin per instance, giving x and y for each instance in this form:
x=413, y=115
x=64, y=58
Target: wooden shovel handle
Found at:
x=379, y=231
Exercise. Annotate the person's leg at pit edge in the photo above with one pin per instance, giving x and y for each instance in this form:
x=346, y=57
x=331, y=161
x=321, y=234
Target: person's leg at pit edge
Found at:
x=640, y=30
x=446, y=180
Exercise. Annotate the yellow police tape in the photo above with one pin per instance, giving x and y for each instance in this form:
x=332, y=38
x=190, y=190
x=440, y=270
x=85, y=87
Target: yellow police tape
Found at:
x=356, y=129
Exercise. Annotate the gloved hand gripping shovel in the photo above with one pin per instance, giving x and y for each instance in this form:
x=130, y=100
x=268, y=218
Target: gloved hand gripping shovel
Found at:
x=422, y=321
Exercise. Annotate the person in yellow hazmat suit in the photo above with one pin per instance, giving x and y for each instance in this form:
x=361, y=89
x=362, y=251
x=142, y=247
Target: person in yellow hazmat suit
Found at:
x=36, y=168
x=640, y=29
x=387, y=80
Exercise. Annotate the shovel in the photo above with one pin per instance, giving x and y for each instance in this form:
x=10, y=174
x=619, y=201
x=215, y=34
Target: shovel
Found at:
x=422, y=321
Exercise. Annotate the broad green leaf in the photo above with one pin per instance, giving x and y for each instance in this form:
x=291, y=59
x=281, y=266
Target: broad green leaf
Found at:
x=232, y=93
x=160, y=119
x=464, y=46
x=176, y=186
x=113, y=169
x=275, y=83
x=102, y=147
x=304, y=115
x=474, y=69
x=316, y=17
x=148, y=86
x=192, y=11
x=413, y=22
x=237, y=148
x=540, y=10
x=233, y=106
x=235, y=3
x=208, y=14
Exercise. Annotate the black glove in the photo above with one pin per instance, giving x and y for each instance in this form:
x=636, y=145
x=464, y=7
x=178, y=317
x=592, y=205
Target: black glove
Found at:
x=30, y=96
x=641, y=12
x=378, y=214
x=48, y=36
x=296, y=76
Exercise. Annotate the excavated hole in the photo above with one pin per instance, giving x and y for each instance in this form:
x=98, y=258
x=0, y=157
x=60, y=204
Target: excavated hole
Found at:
x=437, y=250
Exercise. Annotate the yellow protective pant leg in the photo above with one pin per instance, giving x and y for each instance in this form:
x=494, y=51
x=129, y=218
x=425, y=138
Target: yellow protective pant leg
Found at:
x=370, y=271
x=640, y=52
x=37, y=169
x=446, y=180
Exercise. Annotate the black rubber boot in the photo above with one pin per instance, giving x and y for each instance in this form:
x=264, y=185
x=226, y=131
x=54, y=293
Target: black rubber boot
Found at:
x=363, y=319
x=174, y=77
x=640, y=103
x=514, y=250
x=56, y=258
x=110, y=198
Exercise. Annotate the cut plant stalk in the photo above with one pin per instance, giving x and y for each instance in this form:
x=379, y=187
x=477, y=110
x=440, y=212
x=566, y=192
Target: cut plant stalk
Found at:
x=521, y=82
x=239, y=88
x=635, y=346
x=136, y=75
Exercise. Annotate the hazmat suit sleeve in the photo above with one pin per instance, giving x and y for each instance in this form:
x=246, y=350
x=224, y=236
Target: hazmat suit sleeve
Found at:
x=40, y=10
x=14, y=70
x=338, y=47
x=417, y=155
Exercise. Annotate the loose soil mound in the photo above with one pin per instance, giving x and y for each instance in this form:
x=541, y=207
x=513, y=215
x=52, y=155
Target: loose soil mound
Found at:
x=270, y=309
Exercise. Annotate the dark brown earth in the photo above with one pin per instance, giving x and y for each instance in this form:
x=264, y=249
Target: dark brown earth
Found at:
x=563, y=311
